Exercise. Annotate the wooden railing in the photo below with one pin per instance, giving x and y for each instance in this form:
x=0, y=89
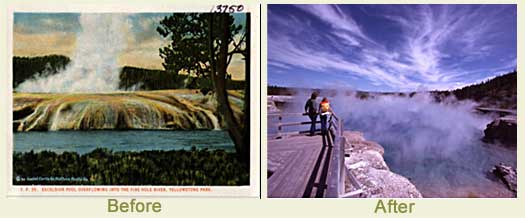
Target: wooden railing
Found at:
x=337, y=173
x=280, y=125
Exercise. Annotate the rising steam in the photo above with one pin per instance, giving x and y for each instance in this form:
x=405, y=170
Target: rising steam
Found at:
x=94, y=67
x=417, y=123
x=436, y=145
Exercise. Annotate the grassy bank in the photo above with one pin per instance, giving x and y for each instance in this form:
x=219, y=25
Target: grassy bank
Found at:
x=105, y=167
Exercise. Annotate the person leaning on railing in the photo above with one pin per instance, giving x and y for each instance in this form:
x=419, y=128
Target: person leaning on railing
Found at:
x=310, y=108
x=324, y=111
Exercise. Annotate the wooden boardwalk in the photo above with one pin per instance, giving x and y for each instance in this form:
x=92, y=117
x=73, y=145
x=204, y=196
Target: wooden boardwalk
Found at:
x=308, y=166
x=299, y=166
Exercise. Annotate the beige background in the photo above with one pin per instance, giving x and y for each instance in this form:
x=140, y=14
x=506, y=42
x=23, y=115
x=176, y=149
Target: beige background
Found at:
x=249, y=207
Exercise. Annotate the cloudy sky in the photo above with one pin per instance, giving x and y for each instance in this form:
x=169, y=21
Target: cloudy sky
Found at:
x=389, y=47
x=36, y=34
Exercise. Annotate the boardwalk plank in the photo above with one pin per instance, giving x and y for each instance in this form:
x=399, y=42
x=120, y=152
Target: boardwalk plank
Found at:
x=293, y=160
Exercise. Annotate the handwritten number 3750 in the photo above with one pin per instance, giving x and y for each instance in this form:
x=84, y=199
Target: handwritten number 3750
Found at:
x=227, y=8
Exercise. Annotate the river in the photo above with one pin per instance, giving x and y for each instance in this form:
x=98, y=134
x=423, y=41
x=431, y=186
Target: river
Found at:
x=133, y=140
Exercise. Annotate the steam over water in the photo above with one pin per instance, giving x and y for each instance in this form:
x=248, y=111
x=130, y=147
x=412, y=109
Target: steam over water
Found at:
x=436, y=145
x=94, y=66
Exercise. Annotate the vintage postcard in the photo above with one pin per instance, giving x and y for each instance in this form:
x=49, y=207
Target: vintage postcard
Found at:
x=121, y=101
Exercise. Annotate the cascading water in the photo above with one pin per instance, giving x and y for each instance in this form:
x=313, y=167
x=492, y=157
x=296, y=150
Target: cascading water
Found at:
x=436, y=145
x=94, y=66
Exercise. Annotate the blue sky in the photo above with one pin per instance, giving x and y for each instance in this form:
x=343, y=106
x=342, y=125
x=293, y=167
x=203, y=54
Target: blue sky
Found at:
x=389, y=47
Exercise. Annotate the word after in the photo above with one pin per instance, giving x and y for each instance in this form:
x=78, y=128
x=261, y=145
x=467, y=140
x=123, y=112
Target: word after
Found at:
x=133, y=206
x=394, y=207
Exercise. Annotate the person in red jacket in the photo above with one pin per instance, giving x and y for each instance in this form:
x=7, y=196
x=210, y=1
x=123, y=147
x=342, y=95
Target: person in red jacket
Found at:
x=324, y=111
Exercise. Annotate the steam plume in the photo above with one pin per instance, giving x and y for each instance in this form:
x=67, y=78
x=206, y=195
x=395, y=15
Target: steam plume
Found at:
x=94, y=67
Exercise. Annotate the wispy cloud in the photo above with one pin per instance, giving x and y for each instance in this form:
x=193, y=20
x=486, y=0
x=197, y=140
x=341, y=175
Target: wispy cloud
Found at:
x=345, y=27
x=393, y=47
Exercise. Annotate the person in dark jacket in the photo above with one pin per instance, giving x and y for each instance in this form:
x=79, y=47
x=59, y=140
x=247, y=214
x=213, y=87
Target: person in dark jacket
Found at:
x=310, y=108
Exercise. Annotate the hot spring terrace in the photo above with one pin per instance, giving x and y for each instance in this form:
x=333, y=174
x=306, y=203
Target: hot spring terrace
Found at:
x=164, y=109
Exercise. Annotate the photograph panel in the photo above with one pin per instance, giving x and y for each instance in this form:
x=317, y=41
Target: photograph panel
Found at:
x=392, y=101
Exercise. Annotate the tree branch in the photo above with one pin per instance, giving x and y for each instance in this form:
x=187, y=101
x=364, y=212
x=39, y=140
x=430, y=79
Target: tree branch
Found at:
x=236, y=49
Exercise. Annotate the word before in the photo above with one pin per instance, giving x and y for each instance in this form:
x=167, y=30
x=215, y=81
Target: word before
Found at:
x=133, y=206
x=393, y=207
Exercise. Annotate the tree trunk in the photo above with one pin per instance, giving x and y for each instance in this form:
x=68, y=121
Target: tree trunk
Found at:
x=219, y=80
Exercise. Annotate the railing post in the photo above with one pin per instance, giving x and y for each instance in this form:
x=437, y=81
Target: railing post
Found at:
x=336, y=182
x=279, y=127
x=340, y=127
x=333, y=190
x=342, y=167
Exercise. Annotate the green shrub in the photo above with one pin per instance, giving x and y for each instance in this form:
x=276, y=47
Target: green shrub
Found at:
x=105, y=167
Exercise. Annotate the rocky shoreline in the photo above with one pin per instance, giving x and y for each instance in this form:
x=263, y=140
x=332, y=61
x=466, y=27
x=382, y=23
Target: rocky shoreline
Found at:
x=365, y=160
x=502, y=131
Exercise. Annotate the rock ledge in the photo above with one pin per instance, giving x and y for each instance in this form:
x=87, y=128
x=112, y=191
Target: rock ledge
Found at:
x=365, y=160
